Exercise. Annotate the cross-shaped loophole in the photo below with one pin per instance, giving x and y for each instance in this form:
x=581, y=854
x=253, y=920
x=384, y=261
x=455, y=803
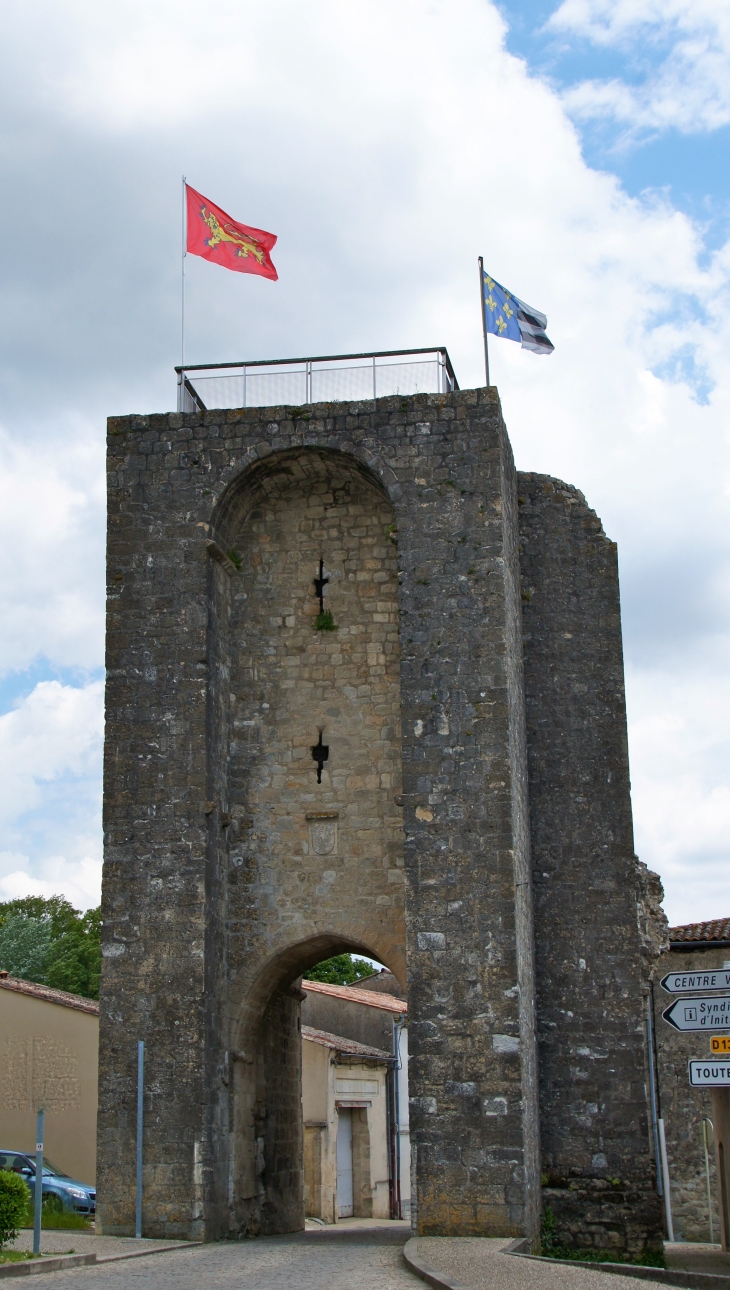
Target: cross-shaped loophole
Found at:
x=319, y=585
x=320, y=754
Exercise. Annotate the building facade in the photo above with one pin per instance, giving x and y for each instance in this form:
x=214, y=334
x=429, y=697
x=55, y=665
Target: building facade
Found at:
x=49, y=1046
x=433, y=773
x=372, y=1016
x=345, y=1106
x=687, y=1112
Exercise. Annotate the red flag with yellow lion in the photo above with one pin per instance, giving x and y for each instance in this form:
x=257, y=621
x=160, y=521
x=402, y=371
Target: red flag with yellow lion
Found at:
x=217, y=237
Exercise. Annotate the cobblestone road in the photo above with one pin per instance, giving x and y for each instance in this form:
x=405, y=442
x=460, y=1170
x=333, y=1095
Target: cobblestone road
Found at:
x=368, y=1259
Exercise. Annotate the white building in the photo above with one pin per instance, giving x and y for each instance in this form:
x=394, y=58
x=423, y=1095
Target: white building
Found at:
x=355, y=1098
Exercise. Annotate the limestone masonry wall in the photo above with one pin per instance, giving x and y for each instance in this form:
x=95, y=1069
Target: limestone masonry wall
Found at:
x=235, y=859
x=592, y=962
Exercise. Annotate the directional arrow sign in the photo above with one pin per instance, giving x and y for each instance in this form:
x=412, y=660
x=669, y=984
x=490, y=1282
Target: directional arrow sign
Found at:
x=705, y=1012
x=681, y=982
x=709, y=1074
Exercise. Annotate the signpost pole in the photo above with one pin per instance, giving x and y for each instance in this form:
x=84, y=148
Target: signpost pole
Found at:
x=721, y=1128
x=706, y=1130
x=665, y=1177
x=38, y=1192
x=653, y=1094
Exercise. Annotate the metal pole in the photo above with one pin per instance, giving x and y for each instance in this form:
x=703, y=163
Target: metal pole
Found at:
x=180, y=384
x=484, y=317
x=398, y=1026
x=374, y=393
x=184, y=253
x=665, y=1175
x=705, y=1123
x=140, y=1119
x=38, y=1193
x=652, y=1093
x=721, y=1134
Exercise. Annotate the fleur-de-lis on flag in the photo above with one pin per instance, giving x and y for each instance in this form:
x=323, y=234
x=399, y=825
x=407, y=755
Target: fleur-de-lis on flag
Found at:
x=507, y=316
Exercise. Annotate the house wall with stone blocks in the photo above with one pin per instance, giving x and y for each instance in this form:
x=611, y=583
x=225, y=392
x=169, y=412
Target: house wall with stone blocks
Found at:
x=237, y=855
x=682, y=1107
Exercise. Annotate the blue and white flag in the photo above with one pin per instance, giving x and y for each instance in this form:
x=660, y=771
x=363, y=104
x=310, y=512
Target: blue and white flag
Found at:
x=505, y=315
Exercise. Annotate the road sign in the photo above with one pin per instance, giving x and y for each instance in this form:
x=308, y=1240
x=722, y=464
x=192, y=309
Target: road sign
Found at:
x=720, y=1043
x=709, y=1074
x=705, y=1012
x=681, y=982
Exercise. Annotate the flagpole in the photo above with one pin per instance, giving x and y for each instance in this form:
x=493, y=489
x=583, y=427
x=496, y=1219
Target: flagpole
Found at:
x=181, y=382
x=484, y=316
x=183, y=253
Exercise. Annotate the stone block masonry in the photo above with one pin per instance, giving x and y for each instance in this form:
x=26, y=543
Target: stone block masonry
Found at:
x=282, y=785
x=593, y=962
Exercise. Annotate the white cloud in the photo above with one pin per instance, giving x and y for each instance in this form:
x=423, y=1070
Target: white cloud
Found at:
x=682, y=47
x=79, y=880
x=52, y=496
x=50, y=767
x=386, y=166
x=56, y=731
x=680, y=749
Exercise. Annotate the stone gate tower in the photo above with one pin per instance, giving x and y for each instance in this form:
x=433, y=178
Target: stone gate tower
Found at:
x=433, y=773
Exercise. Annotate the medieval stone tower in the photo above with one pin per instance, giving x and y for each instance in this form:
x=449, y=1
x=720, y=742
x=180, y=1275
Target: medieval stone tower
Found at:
x=437, y=779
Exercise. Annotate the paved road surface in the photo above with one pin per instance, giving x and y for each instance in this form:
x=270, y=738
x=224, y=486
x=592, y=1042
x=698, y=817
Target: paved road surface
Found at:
x=336, y=1259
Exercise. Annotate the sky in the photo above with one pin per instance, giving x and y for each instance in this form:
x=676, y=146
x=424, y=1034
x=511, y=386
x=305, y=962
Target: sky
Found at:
x=581, y=147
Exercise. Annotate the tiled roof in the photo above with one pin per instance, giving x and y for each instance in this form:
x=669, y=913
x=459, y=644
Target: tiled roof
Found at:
x=49, y=995
x=717, y=930
x=341, y=1045
x=370, y=998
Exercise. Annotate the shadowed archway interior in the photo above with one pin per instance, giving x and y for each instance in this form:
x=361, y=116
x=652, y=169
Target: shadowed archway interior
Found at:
x=311, y=723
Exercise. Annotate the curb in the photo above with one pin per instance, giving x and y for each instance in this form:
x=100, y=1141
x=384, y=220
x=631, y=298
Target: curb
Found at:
x=666, y=1276
x=145, y=1254
x=415, y=1263
x=34, y=1266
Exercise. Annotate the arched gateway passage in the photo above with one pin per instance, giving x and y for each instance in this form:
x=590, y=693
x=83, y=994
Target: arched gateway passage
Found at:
x=307, y=638
x=260, y=653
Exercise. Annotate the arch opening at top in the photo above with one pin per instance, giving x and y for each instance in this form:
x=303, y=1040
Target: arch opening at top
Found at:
x=289, y=964
x=277, y=472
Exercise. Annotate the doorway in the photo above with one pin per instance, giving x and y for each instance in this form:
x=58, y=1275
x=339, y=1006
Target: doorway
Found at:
x=345, y=1199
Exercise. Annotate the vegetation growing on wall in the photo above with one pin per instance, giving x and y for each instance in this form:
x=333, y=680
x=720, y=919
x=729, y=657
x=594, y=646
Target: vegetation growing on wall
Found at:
x=45, y=939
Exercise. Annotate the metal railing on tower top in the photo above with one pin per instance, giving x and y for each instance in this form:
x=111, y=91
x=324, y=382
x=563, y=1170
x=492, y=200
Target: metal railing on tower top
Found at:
x=332, y=378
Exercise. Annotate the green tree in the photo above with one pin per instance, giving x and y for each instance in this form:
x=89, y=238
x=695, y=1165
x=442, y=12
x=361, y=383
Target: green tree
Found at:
x=45, y=939
x=343, y=969
x=25, y=946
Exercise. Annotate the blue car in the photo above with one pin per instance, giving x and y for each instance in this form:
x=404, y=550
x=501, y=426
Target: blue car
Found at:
x=73, y=1195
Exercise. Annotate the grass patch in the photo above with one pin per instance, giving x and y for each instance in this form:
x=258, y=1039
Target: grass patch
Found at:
x=62, y=1222
x=16, y=1256
x=324, y=622
x=55, y=1218
x=651, y=1259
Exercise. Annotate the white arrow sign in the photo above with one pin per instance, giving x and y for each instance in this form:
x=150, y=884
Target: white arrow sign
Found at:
x=680, y=982
x=709, y=1074
x=706, y=1012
